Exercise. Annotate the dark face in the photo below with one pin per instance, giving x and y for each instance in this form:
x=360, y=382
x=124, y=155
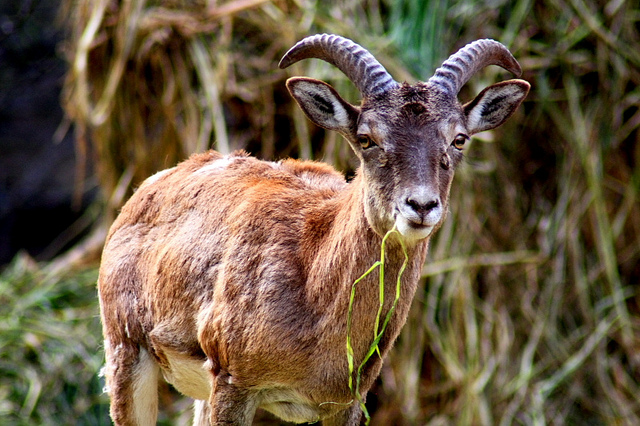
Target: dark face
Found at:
x=409, y=140
x=409, y=151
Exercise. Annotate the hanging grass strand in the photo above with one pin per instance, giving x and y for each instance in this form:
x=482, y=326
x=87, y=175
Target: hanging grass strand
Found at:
x=377, y=335
x=381, y=287
x=349, y=317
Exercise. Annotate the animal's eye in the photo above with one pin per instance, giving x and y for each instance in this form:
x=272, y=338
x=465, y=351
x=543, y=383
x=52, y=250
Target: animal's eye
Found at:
x=459, y=141
x=365, y=141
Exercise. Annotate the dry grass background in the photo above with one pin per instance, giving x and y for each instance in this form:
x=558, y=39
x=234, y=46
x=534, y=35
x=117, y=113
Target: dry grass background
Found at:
x=529, y=312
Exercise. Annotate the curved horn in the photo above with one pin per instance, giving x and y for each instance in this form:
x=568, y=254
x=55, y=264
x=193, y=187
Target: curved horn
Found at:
x=355, y=61
x=458, y=69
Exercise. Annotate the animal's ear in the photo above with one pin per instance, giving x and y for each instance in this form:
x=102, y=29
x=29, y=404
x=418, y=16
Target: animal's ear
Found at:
x=495, y=104
x=324, y=106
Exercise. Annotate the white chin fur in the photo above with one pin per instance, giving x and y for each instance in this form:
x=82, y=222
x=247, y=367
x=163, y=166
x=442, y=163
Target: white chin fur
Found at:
x=411, y=233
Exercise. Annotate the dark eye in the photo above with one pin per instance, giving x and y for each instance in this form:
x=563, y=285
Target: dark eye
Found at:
x=459, y=141
x=365, y=141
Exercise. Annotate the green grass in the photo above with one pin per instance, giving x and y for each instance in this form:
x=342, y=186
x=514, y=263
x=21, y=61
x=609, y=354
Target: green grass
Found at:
x=50, y=348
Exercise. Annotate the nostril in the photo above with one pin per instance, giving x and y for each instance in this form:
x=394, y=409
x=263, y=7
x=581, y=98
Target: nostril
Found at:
x=431, y=205
x=422, y=207
x=413, y=204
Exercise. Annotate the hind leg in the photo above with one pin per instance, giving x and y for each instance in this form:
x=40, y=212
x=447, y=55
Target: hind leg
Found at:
x=230, y=407
x=349, y=417
x=132, y=384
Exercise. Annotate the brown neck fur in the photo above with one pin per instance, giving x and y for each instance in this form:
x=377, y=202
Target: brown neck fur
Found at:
x=345, y=251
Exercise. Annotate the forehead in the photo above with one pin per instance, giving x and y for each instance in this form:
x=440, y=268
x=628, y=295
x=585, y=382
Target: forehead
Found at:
x=411, y=107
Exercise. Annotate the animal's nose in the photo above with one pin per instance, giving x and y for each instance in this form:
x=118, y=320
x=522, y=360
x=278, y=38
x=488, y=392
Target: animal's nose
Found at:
x=423, y=205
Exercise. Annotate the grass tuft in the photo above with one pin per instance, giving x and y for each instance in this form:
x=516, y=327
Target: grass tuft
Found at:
x=50, y=340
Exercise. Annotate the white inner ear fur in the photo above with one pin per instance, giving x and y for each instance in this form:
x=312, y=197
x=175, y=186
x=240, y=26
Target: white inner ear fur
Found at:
x=309, y=93
x=478, y=120
x=475, y=117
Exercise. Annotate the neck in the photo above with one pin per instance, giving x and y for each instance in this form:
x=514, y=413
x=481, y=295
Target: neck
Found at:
x=349, y=247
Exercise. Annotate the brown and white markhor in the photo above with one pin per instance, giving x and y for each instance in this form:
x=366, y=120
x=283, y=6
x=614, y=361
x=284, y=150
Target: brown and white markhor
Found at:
x=230, y=276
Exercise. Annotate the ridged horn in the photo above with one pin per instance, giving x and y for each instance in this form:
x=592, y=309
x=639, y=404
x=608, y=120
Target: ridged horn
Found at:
x=353, y=60
x=458, y=69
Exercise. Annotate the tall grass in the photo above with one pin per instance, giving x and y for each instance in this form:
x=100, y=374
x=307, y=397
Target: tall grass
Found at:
x=529, y=310
x=531, y=299
x=50, y=348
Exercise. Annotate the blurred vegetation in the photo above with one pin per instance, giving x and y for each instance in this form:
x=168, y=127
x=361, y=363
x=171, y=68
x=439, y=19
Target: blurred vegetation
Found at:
x=50, y=340
x=529, y=312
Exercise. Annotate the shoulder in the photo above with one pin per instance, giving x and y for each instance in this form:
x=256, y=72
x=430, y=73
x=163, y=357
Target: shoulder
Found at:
x=315, y=174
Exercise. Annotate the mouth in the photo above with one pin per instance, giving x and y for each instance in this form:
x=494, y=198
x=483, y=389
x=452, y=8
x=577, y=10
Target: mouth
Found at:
x=410, y=229
x=418, y=226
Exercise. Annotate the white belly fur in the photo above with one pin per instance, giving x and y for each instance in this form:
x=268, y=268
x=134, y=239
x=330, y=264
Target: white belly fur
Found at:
x=289, y=406
x=188, y=376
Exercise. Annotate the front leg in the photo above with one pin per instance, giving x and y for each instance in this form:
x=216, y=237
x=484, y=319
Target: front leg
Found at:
x=230, y=405
x=201, y=413
x=350, y=416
